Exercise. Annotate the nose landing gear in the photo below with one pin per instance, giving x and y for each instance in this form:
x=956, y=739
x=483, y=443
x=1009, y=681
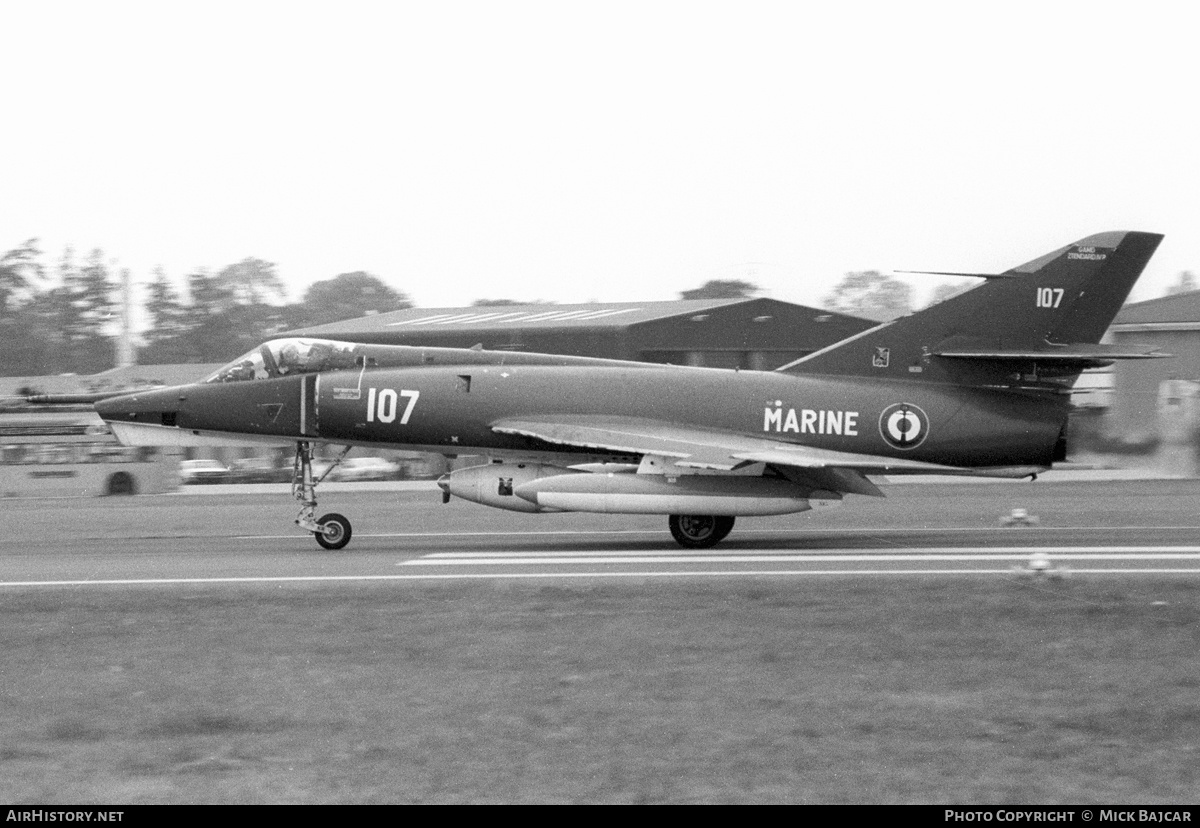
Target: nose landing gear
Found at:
x=332, y=531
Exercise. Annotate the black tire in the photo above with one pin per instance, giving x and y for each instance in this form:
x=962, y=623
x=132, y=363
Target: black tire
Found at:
x=335, y=531
x=121, y=483
x=699, y=531
x=724, y=527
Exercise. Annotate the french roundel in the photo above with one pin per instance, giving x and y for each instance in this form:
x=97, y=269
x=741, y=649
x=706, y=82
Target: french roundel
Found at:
x=903, y=425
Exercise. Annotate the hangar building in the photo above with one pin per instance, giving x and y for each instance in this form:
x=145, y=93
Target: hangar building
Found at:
x=1172, y=325
x=757, y=334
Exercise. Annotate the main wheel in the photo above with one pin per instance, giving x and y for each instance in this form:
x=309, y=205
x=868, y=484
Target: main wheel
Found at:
x=335, y=531
x=699, y=531
x=724, y=526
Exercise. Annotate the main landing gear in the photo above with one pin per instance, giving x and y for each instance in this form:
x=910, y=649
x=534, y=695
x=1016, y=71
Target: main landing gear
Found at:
x=332, y=531
x=700, y=531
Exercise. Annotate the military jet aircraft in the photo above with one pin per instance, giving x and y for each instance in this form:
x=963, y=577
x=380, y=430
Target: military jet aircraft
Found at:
x=976, y=385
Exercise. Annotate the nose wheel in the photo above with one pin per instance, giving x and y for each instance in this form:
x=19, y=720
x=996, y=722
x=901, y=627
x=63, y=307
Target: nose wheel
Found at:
x=332, y=531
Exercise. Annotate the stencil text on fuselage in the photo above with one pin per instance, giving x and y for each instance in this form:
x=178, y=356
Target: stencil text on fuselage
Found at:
x=810, y=421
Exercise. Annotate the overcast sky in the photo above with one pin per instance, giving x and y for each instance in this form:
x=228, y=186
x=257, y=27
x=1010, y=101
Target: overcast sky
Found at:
x=609, y=151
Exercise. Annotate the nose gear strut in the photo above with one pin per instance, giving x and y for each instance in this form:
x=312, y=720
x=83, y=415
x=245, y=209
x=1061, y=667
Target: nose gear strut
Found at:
x=332, y=531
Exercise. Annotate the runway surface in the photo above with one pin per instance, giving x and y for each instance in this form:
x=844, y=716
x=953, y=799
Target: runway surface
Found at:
x=1115, y=528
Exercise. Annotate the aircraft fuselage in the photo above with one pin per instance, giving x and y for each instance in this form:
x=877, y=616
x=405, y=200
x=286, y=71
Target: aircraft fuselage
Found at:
x=451, y=409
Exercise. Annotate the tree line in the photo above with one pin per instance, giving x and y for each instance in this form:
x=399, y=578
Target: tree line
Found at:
x=64, y=318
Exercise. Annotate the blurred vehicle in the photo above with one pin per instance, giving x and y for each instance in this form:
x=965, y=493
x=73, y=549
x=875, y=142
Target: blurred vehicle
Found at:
x=69, y=452
x=366, y=468
x=259, y=470
x=202, y=471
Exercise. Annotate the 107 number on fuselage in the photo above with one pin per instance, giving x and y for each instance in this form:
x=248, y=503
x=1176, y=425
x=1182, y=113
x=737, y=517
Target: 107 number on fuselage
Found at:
x=382, y=404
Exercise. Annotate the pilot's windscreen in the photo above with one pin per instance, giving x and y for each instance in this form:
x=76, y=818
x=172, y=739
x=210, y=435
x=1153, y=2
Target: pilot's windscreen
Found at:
x=283, y=357
x=248, y=366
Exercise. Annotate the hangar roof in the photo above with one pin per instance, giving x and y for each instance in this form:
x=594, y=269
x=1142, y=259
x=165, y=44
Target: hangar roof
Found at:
x=606, y=315
x=1181, y=308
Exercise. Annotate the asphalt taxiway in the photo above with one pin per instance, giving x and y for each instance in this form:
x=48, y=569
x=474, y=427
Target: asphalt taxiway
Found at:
x=212, y=535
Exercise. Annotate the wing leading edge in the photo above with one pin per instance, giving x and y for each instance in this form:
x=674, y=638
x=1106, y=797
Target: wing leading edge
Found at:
x=720, y=451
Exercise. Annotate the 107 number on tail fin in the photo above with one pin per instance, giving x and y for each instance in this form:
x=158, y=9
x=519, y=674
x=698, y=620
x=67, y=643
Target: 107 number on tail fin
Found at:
x=1049, y=297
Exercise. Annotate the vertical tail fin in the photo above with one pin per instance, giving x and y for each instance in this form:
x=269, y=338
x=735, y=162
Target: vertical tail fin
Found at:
x=1041, y=321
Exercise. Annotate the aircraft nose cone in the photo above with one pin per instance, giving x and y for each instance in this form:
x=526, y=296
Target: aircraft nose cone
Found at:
x=142, y=418
x=126, y=406
x=444, y=483
x=140, y=405
x=110, y=408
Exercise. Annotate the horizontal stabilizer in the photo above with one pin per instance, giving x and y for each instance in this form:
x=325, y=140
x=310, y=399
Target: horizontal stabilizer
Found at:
x=1080, y=352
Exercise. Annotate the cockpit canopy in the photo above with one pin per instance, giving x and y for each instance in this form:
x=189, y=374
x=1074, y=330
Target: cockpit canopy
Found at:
x=305, y=355
x=285, y=357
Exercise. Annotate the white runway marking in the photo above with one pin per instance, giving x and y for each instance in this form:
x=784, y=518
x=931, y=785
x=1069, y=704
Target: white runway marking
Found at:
x=467, y=576
x=1010, y=553
x=587, y=561
x=1156, y=551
